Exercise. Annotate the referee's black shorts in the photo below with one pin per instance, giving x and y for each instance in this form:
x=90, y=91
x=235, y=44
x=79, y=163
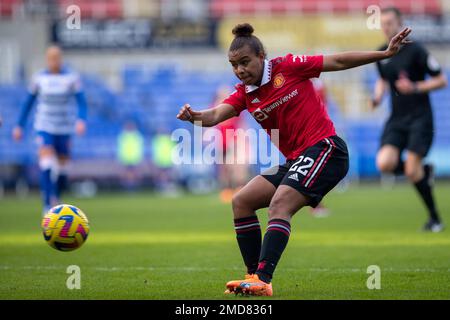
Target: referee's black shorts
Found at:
x=315, y=172
x=416, y=135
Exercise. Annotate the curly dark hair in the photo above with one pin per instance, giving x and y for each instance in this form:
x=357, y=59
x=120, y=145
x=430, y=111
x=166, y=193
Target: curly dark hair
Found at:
x=243, y=35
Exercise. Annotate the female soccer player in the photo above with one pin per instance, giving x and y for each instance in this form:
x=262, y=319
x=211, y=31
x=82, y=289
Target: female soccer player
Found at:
x=54, y=124
x=279, y=95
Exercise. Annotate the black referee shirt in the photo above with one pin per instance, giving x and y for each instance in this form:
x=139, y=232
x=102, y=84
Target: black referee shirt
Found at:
x=413, y=61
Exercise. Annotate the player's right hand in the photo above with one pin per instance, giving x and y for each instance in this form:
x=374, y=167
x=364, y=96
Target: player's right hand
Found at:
x=397, y=41
x=17, y=133
x=187, y=114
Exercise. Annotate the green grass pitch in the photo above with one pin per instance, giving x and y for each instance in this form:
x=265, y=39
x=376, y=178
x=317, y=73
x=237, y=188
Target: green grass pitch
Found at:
x=145, y=246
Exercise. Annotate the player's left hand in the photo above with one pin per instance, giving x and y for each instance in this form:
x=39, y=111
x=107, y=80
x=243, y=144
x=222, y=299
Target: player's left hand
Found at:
x=80, y=127
x=374, y=103
x=397, y=41
x=404, y=85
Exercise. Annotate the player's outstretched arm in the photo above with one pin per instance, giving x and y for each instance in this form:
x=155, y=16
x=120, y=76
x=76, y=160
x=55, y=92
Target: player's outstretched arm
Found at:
x=26, y=108
x=347, y=60
x=80, y=125
x=208, y=117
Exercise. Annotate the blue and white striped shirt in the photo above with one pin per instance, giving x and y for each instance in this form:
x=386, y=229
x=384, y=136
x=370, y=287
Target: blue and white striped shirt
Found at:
x=55, y=113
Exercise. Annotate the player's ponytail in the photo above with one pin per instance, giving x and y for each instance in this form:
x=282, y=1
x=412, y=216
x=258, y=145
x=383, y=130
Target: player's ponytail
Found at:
x=243, y=35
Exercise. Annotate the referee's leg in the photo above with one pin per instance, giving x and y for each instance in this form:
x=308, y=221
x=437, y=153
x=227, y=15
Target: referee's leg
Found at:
x=388, y=158
x=419, y=176
x=413, y=167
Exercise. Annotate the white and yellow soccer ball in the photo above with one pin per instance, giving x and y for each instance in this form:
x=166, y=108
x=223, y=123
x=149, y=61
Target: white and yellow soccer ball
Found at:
x=65, y=227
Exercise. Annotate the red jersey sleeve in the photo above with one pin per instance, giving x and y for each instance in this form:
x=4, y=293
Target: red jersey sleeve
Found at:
x=305, y=66
x=237, y=99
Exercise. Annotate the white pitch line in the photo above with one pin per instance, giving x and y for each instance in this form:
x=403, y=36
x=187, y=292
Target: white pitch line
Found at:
x=200, y=269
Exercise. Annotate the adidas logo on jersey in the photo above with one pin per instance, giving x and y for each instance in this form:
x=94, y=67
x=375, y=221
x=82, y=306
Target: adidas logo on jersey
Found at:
x=256, y=100
x=293, y=176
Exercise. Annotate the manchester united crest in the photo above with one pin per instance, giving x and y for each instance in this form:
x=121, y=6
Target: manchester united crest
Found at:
x=278, y=80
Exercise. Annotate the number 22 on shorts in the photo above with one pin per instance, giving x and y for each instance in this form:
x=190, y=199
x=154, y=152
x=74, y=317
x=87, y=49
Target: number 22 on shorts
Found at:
x=304, y=168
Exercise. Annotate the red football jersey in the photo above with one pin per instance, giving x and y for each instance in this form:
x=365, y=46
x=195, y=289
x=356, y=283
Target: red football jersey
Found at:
x=320, y=89
x=287, y=101
x=230, y=124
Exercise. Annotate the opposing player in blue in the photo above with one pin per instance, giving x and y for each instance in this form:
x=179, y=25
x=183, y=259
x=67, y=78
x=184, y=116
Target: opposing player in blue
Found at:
x=54, y=122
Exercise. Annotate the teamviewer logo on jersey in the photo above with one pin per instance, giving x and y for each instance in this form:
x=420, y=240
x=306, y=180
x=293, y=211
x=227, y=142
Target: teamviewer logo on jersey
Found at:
x=259, y=115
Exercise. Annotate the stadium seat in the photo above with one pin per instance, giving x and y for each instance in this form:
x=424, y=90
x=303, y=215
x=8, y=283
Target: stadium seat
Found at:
x=152, y=96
